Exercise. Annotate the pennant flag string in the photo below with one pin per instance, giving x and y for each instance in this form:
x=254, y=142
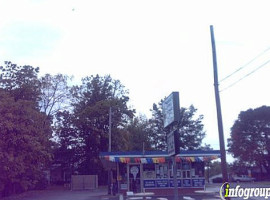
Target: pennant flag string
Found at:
x=149, y=160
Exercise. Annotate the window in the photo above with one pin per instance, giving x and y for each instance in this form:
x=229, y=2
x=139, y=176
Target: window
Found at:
x=162, y=171
x=149, y=171
x=186, y=173
x=178, y=172
x=198, y=168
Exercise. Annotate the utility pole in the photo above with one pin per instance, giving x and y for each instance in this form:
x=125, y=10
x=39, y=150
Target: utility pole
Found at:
x=219, y=115
x=109, y=150
x=110, y=129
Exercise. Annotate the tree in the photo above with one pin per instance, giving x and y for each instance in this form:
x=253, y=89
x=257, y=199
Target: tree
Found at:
x=68, y=150
x=158, y=133
x=25, y=148
x=190, y=128
x=21, y=82
x=24, y=144
x=54, y=94
x=250, y=137
x=139, y=133
x=89, y=120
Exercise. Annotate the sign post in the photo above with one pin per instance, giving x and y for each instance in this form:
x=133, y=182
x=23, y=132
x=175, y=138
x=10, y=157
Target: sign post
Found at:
x=171, y=111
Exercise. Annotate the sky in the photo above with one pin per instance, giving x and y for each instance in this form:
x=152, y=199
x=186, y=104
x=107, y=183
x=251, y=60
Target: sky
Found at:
x=153, y=47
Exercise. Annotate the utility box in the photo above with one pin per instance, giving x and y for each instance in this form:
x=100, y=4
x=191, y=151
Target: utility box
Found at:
x=84, y=182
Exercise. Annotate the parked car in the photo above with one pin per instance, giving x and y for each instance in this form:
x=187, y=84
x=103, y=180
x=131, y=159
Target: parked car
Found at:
x=243, y=178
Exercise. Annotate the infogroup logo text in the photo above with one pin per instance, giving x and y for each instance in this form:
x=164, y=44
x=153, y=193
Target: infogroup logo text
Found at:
x=245, y=193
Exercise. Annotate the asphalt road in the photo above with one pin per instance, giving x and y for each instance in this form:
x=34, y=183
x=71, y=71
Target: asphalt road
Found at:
x=211, y=193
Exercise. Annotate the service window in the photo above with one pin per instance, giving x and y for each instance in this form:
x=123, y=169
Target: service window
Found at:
x=186, y=168
x=186, y=173
x=198, y=168
x=149, y=171
x=162, y=171
x=178, y=170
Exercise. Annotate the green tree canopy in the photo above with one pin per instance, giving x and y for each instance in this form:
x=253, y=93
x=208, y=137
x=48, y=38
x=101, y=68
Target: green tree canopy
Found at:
x=24, y=143
x=86, y=127
x=21, y=82
x=250, y=137
x=25, y=132
x=190, y=128
x=139, y=134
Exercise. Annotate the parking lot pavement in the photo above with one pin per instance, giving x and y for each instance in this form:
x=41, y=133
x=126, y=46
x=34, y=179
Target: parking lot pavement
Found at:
x=93, y=195
x=211, y=192
x=60, y=194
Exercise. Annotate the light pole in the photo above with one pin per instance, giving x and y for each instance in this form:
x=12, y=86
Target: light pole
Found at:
x=109, y=150
x=219, y=115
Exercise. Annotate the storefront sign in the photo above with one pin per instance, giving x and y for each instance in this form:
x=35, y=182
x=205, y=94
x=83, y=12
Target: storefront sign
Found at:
x=178, y=183
x=171, y=109
x=134, y=170
x=173, y=143
x=149, y=183
x=198, y=182
x=166, y=183
x=123, y=186
x=186, y=183
x=162, y=183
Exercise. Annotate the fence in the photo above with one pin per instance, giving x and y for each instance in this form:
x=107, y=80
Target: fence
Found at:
x=84, y=182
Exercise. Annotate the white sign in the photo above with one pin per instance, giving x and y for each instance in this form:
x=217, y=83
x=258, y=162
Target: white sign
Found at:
x=134, y=170
x=168, y=110
x=171, y=109
x=171, y=143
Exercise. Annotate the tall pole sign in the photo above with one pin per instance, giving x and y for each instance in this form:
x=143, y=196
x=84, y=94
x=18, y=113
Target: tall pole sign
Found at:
x=171, y=112
x=171, y=109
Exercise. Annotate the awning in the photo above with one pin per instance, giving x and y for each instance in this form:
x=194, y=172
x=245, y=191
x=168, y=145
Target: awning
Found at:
x=159, y=156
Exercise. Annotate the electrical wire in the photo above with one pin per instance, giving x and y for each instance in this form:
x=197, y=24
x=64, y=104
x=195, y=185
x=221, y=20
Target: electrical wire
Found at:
x=246, y=75
x=242, y=67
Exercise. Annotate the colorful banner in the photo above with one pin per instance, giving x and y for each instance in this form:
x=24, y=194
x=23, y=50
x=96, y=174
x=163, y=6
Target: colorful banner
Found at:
x=158, y=160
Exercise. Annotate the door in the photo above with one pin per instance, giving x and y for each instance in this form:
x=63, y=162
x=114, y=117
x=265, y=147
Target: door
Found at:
x=134, y=178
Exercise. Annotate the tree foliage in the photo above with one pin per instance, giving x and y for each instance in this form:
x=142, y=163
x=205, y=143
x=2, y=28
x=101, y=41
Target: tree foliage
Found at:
x=190, y=128
x=24, y=144
x=139, y=134
x=54, y=94
x=24, y=130
x=21, y=82
x=250, y=137
x=89, y=120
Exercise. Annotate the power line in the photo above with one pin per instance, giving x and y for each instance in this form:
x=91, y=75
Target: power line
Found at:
x=242, y=67
x=245, y=76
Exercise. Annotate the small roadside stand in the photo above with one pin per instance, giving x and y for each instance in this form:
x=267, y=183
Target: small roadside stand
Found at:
x=160, y=172
x=152, y=171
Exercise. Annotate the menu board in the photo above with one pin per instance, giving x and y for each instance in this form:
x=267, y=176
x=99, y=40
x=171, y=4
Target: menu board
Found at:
x=149, y=174
x=186, y=183
x=149, y=183
x=166, y=183
x=172, y=183
x=162, y=183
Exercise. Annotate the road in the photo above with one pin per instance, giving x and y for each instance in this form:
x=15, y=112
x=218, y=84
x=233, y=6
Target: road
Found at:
x=211, y=193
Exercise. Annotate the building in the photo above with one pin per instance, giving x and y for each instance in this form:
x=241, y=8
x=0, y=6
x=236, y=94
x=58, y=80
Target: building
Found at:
x=152, y=171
